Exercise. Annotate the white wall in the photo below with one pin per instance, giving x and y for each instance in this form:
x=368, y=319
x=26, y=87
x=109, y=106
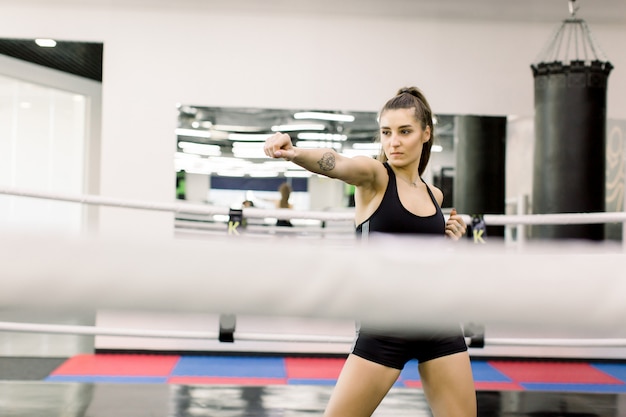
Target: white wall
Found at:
x=154, y=59
x=520, y=148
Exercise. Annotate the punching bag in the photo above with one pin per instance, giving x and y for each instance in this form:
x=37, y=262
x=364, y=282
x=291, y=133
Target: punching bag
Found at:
x=570, y=145
x=479, y=182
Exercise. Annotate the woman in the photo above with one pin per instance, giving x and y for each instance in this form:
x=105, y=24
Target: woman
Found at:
x=285, y=193
x=391, y=197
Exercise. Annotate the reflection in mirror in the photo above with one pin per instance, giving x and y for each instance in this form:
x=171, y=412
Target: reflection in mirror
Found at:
x=219, y=156
x=229, y=141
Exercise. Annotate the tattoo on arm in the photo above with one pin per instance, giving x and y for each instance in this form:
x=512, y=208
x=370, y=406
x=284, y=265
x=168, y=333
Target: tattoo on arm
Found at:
x=327, y=162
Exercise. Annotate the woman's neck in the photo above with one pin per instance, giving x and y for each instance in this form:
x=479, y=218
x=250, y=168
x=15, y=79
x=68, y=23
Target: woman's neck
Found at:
x=409, y=176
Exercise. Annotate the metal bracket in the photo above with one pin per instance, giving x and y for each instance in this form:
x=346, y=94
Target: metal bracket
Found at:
x=227, y=328
x=476, y=334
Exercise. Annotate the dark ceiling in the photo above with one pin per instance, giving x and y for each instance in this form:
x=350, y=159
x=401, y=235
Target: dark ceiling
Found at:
x=260, y=121
x=79, y=58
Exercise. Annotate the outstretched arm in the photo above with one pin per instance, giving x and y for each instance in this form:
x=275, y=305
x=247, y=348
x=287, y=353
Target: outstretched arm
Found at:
x=356, y=171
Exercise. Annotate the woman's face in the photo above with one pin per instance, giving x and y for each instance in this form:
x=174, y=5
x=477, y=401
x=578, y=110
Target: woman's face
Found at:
x=402, y=136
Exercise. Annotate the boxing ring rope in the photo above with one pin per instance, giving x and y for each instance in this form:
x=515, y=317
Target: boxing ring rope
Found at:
x=282, y=337
x=101, y=274
x=173, y=207
x=491, y=219
x=169, y=334
x=345, y=284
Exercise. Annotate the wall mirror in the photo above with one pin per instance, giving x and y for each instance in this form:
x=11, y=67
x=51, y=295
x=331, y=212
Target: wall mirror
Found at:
x=219, y=155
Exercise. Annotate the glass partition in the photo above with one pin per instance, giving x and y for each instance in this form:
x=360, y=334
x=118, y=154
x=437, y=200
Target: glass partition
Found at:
x=42, y=146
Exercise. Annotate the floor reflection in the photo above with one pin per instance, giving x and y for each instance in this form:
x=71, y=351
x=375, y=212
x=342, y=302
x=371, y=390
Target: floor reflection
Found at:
x=45, y=399
x=234, y=401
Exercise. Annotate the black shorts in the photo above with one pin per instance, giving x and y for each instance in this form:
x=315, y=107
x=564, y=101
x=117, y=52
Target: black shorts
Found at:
x=395, y=352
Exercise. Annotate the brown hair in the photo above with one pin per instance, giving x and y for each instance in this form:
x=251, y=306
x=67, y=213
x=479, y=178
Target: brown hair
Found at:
x=285, y=191
x=412, y=97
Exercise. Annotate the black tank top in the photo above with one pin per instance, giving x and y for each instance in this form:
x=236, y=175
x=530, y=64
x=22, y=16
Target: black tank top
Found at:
x=392, y=217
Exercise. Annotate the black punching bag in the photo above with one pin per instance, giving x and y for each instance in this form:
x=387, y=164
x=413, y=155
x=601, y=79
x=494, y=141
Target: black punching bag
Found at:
x=479, y=181
x=570, y=130
x=569, y=158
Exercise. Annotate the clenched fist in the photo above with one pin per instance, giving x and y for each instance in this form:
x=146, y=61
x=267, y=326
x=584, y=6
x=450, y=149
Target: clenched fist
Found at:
x=279, y=146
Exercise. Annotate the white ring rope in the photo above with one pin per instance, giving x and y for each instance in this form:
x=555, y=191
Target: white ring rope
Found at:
x=391, y=281
x=190, y=208
x=115, y=202
x=617, y=342
x=169, y=334
x=265, y=337
x=340, y=285
x=555, y=218
x=287, y=214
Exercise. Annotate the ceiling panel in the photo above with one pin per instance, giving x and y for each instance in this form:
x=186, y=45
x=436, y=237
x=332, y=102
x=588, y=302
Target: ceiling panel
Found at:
x=79, y=58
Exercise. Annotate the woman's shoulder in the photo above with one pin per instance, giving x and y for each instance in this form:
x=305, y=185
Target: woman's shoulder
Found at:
x=366, y=172
x=437, y=193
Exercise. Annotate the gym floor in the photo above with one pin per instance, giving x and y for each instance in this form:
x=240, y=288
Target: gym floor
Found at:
x=155, y=385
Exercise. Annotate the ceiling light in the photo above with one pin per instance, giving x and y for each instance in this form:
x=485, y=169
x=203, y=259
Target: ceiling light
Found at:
x=324, y=116
x=187, y=109
x=228, y=161
x=309, y=144
x=192, y=165
x=200, y=148
x=248, y=145
x=436, y=148
x=239, y=128
x=46, y=43
x=193, y=133
x=248, y=149
x=249, y=137
x=231, y=173
x=182, y=155
x=321, y=136
x=249, y=153
x=296, y=127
